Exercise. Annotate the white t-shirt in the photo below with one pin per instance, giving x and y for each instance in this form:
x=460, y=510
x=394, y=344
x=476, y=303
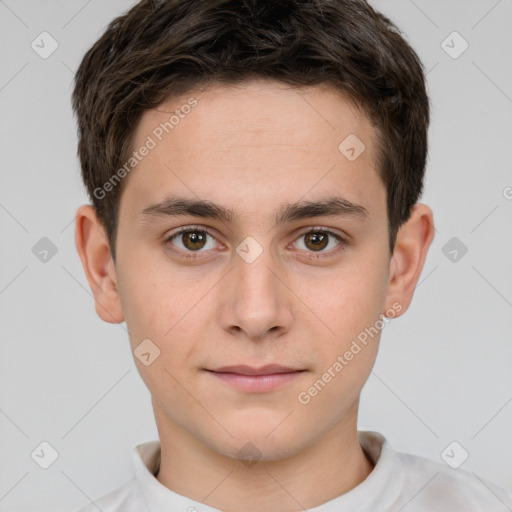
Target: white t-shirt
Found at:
x=398, y=482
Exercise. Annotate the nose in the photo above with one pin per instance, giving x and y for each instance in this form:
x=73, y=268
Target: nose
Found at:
x=256, y=303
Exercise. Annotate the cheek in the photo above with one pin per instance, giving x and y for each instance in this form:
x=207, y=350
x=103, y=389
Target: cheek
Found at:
x=347, y=301
x=351, y=315
x=158, y=312
x=162, y=308
x=151, y=300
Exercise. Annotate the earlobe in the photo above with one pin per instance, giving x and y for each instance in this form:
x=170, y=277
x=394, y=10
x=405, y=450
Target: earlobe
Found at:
x=413, y=241
x=94, y=251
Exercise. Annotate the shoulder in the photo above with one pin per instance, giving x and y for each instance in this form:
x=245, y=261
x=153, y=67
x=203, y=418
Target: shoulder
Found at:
x=430, y=485
x=126, y=498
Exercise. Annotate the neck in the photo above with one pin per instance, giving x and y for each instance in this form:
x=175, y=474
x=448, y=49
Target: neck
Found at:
x=332, y=466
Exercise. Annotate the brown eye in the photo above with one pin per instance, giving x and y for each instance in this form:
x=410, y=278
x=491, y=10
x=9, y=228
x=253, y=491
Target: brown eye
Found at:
x=193, y=240
x=316, y=241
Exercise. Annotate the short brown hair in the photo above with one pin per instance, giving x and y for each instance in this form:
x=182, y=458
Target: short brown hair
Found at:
x=164, y=48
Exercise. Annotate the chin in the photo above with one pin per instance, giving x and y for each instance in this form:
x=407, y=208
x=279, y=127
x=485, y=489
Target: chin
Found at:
x=258, y=450
x=258, y=443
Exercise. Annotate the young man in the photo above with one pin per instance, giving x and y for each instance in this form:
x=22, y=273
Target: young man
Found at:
x=254, y=168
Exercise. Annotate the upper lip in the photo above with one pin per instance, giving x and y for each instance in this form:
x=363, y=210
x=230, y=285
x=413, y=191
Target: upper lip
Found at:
x=268, y=369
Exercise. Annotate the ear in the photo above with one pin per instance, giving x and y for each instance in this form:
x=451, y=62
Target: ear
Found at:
x=413, y=241
x=94, y=251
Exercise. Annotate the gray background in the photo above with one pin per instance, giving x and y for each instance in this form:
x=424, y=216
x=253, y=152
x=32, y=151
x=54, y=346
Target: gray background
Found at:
x=443, y=372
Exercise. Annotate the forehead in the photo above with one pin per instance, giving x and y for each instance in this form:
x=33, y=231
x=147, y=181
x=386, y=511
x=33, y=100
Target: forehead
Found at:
x=255, y=144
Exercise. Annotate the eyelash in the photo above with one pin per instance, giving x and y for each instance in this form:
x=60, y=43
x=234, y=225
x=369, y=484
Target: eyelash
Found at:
x=195, y=254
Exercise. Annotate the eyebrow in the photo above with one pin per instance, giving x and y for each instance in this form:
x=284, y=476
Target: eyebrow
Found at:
x=287, y=212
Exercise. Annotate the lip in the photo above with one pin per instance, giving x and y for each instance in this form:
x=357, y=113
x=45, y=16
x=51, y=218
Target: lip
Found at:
x=268, y=369
x=247, y=378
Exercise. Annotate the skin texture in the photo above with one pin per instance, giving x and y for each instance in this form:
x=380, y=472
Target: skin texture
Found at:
x=251, y=148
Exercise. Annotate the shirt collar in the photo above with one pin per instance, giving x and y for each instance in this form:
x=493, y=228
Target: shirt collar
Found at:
x=158, y=498
x=378, y=491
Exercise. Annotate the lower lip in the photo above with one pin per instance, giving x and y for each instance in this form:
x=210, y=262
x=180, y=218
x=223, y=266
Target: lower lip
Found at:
x=256, y=383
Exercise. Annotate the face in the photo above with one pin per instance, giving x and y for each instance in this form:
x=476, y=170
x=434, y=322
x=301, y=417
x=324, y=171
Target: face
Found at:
x=240, y=288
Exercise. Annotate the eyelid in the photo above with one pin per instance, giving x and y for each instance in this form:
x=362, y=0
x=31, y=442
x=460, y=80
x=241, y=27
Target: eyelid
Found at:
x=343, y=241
x=323, y=229
x=184, y=229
